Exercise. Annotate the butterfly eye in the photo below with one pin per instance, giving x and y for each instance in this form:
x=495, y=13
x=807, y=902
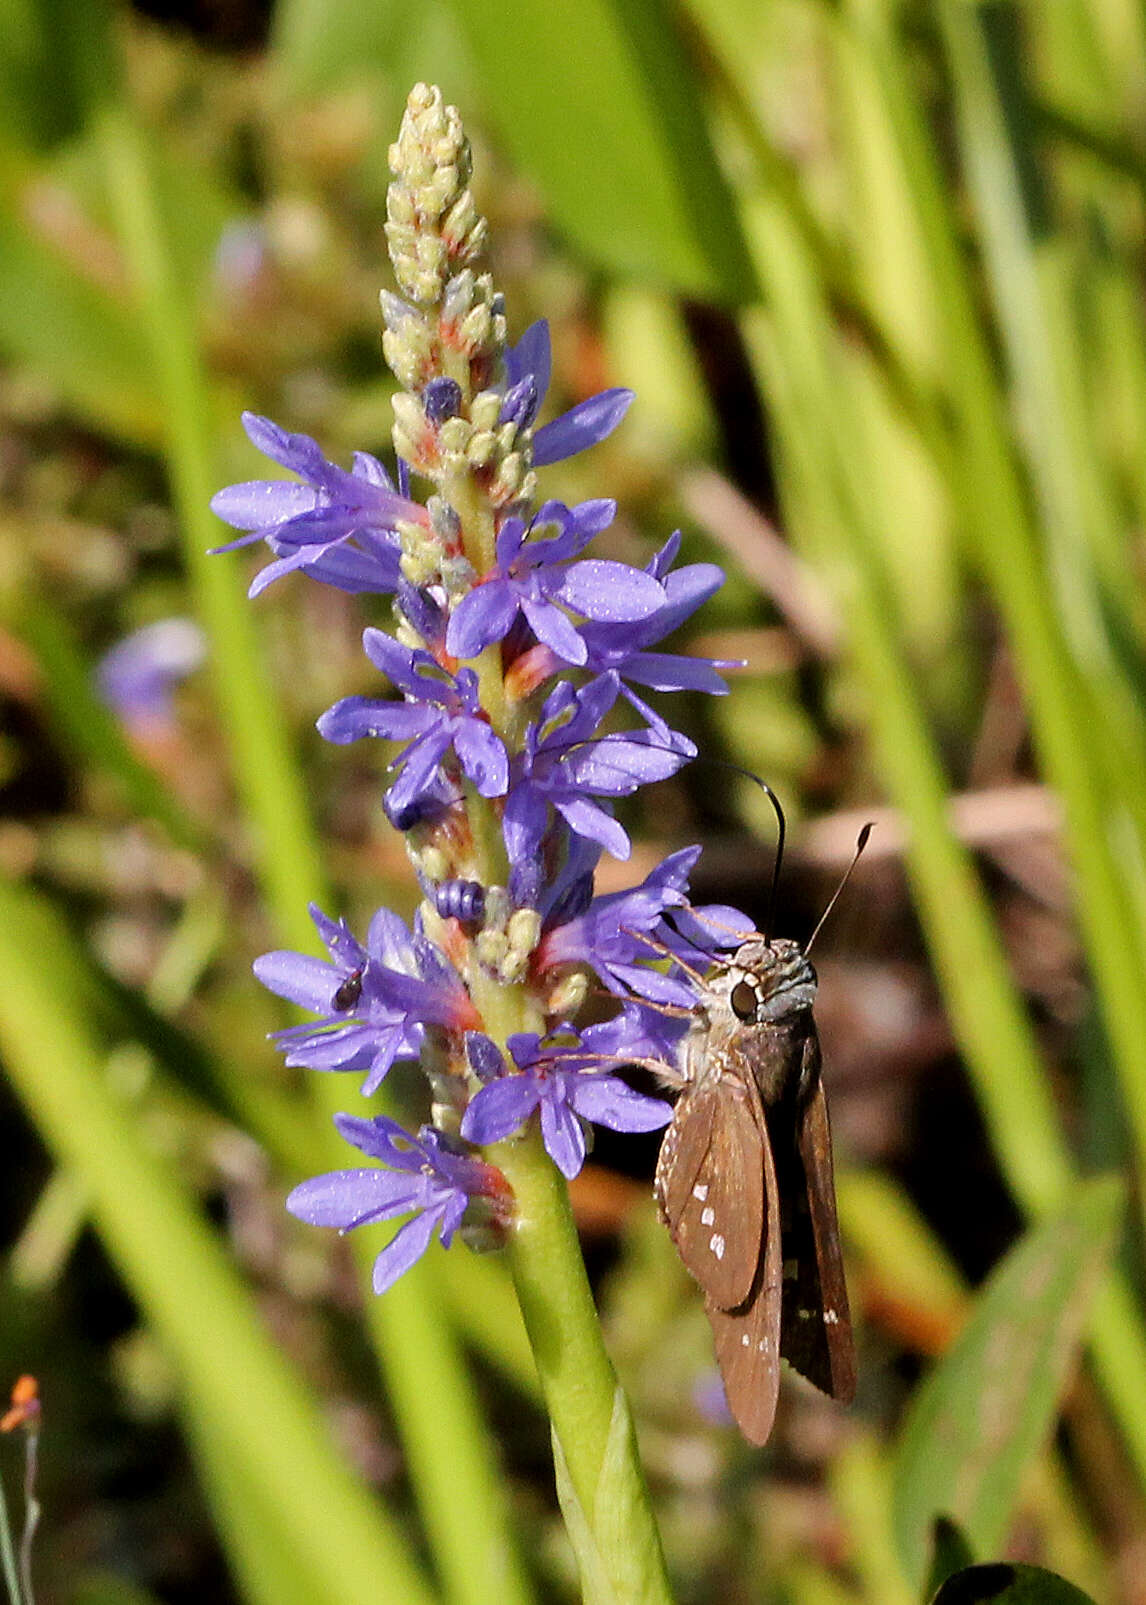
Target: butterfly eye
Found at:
x=743, y=1001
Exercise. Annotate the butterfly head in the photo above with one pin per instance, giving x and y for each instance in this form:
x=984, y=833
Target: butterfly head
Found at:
x=766, y=981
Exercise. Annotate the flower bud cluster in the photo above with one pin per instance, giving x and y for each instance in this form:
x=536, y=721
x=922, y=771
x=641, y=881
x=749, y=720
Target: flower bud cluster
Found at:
x=508, y=650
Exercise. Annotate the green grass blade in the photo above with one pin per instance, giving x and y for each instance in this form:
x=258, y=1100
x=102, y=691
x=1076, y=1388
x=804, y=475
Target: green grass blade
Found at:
x=987, y=1408
x=617, y=73
x=257, y=1411
x=1102, y=779
x=826, y=465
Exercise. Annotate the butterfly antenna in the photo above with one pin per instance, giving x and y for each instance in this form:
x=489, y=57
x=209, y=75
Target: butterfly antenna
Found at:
x=782, y=833
x=861, y=843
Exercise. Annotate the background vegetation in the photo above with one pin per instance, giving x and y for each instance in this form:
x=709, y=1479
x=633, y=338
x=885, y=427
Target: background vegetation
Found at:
x=876, y=273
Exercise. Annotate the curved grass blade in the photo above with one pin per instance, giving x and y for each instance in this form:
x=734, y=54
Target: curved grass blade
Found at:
x=987, y=1408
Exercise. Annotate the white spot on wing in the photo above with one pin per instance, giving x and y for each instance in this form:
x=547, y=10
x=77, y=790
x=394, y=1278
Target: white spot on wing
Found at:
x=830, y=1318
x=707, y=1215
x=700, y=1191
x=716, y=1243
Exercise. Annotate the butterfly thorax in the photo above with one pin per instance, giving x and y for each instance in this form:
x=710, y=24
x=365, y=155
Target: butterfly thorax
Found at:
x=753, y=1015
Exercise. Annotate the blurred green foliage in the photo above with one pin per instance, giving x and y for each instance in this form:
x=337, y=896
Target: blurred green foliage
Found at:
x=877, y=274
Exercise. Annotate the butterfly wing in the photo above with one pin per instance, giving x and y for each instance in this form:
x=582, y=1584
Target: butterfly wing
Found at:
x=747, y=1339
x=815, y=1327
x=710, y=1186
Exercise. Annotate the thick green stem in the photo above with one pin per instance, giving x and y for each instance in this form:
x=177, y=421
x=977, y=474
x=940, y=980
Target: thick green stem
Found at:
x=604, y=1496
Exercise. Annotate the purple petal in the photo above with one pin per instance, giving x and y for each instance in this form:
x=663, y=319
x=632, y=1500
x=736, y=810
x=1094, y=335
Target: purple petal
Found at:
x=344, y=567
x=510, y=539
x=258, y=503
x=582, y=426
x=576, y=528
x=531, y=357
x=523, y=823
x=389, y=655
x=563, y=1137
x=388, y=940
x=671, y=671
x=309, y=982
x=399, y=1041
x=485, y=1057
x=299, y=453
x=370, y=470
x=616, y=765
x=651, y=984
x=404, y=1249
x=343, y=1048
x=608, y=1101
x=319, y=527
x=594, y=823
x=382, y=1138
x=482, y=756
x=500, y=1108
x=550, y=625
x=686, y=588
x=345, y=1198
x=355, y=718
x=419, y=765
x=481, y=618
x=612, y=592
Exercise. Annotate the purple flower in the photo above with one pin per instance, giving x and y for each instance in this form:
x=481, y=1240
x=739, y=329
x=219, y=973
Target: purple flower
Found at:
x=137, y=675
x=625, y=650
x=610, y=936
x=563, y=764
x=534, y=576
x=311, y=524
x=558, y=1074
x=528, y=366
x=622, y=648
x=441, y=711
x=374, y=1002
x=421, y=1177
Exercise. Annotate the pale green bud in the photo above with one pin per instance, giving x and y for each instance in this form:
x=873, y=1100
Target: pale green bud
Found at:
x=485, y=408
x=491, y=948
x=569, y=995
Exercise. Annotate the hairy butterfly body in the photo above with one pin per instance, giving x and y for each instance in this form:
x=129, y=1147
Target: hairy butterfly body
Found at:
x=744, y=1183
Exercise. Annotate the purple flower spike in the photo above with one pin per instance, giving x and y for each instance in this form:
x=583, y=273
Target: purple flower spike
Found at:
x=559, y=1075
x=421, y=1177
x=442, y=711
x=309, y=524
x=534, y=576
x=528, y=367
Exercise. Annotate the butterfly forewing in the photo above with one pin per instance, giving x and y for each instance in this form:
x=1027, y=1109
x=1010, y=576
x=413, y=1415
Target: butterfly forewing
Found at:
x=815, y=1331
x=711, y=1187
x=747, y=1339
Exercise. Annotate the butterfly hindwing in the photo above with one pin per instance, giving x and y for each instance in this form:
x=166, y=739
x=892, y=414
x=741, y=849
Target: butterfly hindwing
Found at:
x=815, y=1329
